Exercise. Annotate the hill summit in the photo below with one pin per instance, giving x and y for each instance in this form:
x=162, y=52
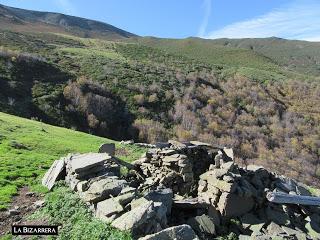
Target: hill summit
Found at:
x=27, y=20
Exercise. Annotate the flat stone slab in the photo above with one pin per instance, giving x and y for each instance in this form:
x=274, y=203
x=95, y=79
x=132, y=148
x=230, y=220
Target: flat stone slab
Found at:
x=83, y=162
x=192, y=203
x=53, y=174
x=181, y=232
x=200, y=144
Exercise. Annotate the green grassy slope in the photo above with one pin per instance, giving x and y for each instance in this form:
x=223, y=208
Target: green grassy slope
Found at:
x=299, y=56
x=27, y=149
x=273, y=57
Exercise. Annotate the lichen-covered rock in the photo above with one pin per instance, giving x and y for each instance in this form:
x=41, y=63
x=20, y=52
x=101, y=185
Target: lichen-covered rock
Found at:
x=103, y=189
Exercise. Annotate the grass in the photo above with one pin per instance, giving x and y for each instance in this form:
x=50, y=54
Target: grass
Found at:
x=93, y=52
x=66, y=209
x=27, y=149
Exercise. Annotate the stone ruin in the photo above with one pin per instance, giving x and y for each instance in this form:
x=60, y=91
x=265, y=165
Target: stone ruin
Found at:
x=187, y=191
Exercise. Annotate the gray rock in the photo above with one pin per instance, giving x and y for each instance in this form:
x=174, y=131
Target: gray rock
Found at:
x=109, y=148
x=39, y=204
x=83, y=162
x=138, y=202
x=14, y=212
x=225, y=186
x=107, y=208
x=161, y=195
x=145, y=219
x=54, y=174
x=203, y=226
x=232, y=205
x=82, y=186
x=182, y=232
x=177, y=144
x=275, y=229
x=103, y=188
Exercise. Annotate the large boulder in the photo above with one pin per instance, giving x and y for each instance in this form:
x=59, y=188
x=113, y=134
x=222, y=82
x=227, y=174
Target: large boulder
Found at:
x=182, y=232
x=147, y=218
x=233, y=205
x=56, y=172
x=104, y=188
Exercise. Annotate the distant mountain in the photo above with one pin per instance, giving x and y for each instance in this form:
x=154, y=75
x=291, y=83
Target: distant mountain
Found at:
x=35, y=21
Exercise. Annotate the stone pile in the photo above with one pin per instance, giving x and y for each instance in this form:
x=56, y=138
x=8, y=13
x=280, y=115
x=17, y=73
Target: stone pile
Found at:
x=188, y=190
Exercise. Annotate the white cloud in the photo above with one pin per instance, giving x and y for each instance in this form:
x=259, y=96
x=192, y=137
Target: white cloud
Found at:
x=299, y=20
x=66, y=6
x=207, y=12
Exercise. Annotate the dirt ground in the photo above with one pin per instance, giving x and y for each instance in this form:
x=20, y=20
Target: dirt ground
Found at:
x=24, y=203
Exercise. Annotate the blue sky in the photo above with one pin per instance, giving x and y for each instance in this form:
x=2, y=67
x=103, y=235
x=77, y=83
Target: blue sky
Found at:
x=292, y=19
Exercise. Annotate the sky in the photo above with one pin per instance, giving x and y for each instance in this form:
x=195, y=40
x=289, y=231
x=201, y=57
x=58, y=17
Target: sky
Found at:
x=291, y=19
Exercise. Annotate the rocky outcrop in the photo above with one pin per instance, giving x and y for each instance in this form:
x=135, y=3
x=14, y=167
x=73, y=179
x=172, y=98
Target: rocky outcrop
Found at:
x=188, y=190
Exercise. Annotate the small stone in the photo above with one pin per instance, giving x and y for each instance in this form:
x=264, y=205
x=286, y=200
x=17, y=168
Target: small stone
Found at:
x=30, y=194
x=13, y=212
x=109, y=148
x=39, y=204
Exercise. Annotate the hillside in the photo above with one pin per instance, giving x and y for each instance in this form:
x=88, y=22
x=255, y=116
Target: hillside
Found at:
x=34, y=21
x=270, y=54
x=155, y=89
x=299, y=56
x=127, y=90
x=28, y=148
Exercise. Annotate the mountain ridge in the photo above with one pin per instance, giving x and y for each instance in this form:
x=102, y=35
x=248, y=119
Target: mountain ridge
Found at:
x=76, y=25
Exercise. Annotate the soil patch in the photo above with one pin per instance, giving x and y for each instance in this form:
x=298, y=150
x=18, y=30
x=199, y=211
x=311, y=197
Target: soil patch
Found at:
x=23, y=205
